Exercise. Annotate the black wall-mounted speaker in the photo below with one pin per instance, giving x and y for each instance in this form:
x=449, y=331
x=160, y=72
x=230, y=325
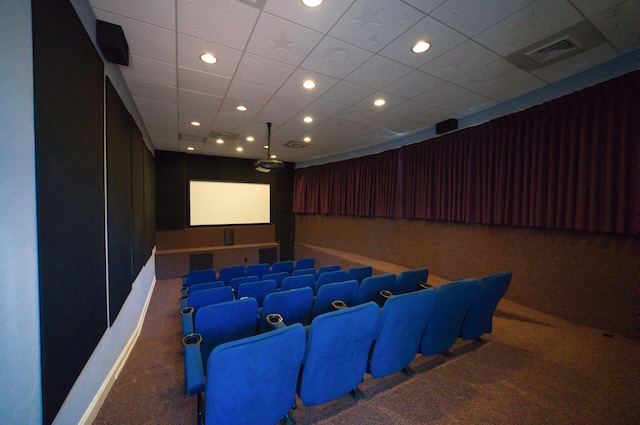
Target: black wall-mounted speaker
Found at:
x=112, y=42
x=228, y=236
x=446, y=126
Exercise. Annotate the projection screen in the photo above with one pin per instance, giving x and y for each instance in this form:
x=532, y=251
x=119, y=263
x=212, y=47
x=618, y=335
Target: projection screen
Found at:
x=214, y=203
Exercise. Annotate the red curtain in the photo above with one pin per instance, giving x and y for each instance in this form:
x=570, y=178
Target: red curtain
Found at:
x=565, y=164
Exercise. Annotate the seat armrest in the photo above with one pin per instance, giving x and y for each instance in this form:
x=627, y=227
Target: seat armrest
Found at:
x=193, y=369
x=187, y=320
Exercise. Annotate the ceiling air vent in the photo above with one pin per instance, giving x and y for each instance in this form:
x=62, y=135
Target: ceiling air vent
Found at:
x=553, y=50
x=296, y=144
x=224, y=135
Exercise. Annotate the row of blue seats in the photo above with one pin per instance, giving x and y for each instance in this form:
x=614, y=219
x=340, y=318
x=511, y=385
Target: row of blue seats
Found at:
x=330, y=359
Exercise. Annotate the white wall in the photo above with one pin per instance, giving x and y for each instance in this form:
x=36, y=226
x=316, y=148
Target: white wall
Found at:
x=20, y=378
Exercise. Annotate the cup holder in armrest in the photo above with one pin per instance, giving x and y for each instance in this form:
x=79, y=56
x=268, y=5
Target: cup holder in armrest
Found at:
x=386, y=294
x=191, y=339
x=186, y=310
x=275, y=321
x=338, y=304
x=425, y=285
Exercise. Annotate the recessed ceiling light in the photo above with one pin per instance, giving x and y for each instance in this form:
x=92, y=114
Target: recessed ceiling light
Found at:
x=266, y=146
x=191, y=148
x=273, y=157
x=208, y=58
x=309, y=84
x=219, y=141
x=307, y=139
x=379, y=102
x=420, y=47
x=239, y=149
x=308, y=119
x=250, y=139
x=312, y=3
x=241, y=108
x=195, y=123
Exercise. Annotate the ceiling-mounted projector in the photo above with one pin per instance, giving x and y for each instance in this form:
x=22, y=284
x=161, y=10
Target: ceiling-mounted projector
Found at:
x=266, y=165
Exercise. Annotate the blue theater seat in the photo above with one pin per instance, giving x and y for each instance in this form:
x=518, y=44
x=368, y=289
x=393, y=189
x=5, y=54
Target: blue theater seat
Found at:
x=237, y=281
x=301, y=272
x=278, y=277
x=453, y=302
x=258, y=289
x=257, y=270
x=305, y=263
x=371, y=286
x=338, y=345
x=410, y=280
x=332, y=276
x=184, y=301
x=346, y=291
x=359, y=273
x=403, y=320
x=199, y=299
x=479, y=318
x=197, y=276
x=249, y=381
x=228, y=273
x=293, y=282
x=325, y=269
x=283, y=266
x=293, y=305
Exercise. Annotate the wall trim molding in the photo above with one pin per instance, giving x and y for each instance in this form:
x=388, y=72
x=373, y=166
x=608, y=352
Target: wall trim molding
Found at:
x=94, y=407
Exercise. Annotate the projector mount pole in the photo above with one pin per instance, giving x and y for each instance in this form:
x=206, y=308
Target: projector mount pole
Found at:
x=268, y=140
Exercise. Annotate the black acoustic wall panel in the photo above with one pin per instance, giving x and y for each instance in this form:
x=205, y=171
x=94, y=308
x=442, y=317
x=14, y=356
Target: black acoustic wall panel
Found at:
x=149, y=202
x=137, y=197
x=119, y=201
x=171, y=192
x=69, y=135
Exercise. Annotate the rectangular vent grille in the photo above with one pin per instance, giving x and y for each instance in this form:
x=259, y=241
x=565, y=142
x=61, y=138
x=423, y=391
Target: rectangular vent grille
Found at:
x=296, y=144
x=223, y=135
x=553, y=50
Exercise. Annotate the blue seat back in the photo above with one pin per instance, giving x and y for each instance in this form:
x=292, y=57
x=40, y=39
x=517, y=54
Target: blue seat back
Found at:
x=200, y=276
x=253, y=380
x=278, y=277
x=479, y=318
x=410, y=280
x=402, y=322
x=282, y=266
x=359, y=273
x=371, y=286
x=237, y=281
x=346, y=291
x=294, y=305
x=203, y=297
x=224, y=322
x=338, y=345
x=228, y=273
x=257, y=290
x=324, y=269
x=452, y=303
x=257, y=270
x=305, y=263
x=301, y=272
x=206, y=285
x=293, y=282
x=330, y=277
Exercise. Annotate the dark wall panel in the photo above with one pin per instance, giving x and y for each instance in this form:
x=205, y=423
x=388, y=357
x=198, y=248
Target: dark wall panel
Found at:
x=149, y=202
x=137, y=196
x=119, y=202
x=68, y=107
x=174, y=170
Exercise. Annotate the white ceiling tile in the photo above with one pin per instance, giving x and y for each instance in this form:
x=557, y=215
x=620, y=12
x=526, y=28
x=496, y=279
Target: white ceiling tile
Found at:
x=325, y=107
x=347, y=93
x=225, y=22
x=320, y=18
x=620, y=25
x=157, y=12
x=442, y=94
x=594, y=7
x=323, y=82
x=202, y=82
x=441, y=38
x=372, y=24
x=199, y=107
x=425, y=6
x=468, y=105
x=459, y=61
x=356, y=114
x=245, y=91
x=397, y=127
x=144, y=40
x=409, y=108
x=289, y=99
x=260, y=70
x=471, y=17
x=140, y=88
x=275, y=114
x=190, y=49
x=575, y=64
x=282, y=40
x=391, y=100
x=335, y=58
x=378, y=72
x=197, y=146
x=149, y=70
x=413, y=84
x=537, y=21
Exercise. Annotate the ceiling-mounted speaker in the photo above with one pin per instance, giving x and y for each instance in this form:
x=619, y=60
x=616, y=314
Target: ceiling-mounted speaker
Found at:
x=112, y=42
x=446, y=126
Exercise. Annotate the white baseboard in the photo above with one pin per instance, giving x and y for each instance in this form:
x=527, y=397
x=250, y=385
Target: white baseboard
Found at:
x=93, y=409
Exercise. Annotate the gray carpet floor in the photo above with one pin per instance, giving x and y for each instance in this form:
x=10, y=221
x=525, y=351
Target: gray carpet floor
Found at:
x=533, y=369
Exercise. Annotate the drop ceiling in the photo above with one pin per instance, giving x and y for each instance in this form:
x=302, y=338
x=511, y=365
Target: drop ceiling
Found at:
x=483, y=53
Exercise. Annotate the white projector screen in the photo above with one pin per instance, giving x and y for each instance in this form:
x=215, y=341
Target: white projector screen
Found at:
x=223, y=203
